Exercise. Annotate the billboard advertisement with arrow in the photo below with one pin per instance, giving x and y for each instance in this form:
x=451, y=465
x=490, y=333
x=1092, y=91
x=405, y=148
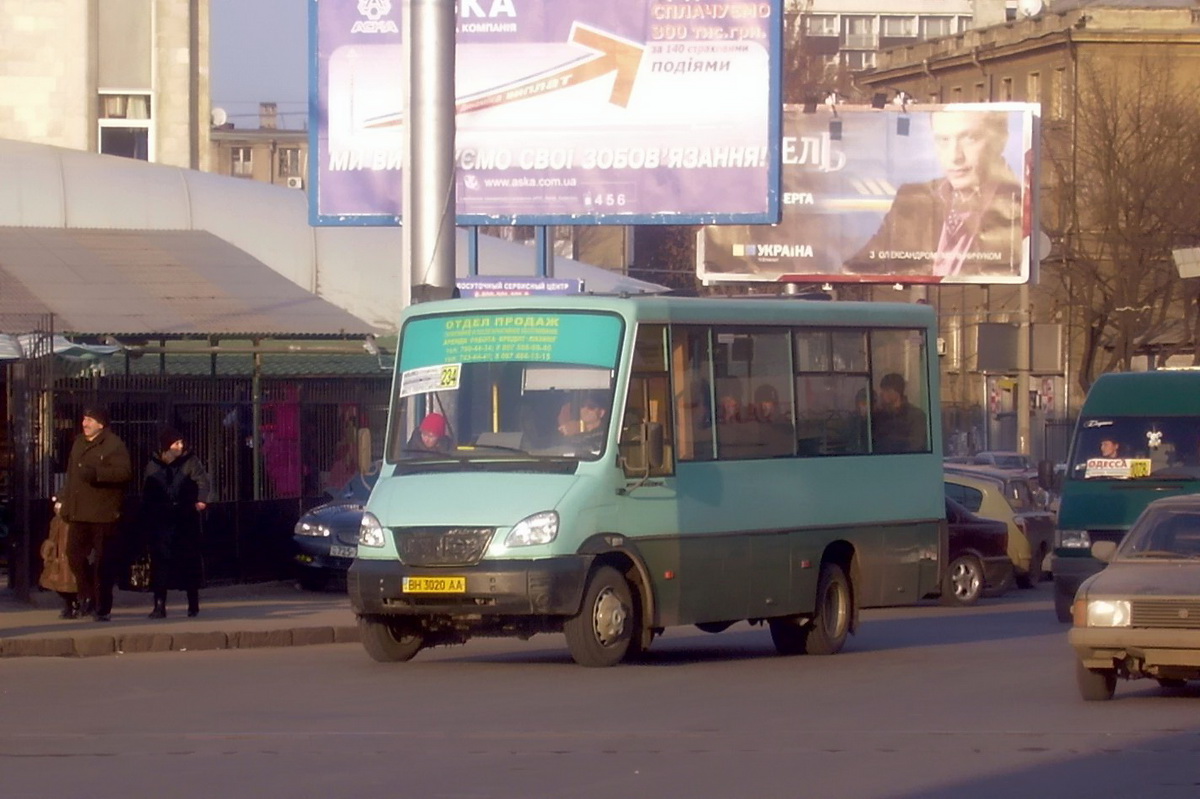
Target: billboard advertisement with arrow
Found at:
x=567, y=112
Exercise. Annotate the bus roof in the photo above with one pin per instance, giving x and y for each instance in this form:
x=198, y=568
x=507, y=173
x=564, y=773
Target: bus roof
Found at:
x=700, y=310
x=1167, y=392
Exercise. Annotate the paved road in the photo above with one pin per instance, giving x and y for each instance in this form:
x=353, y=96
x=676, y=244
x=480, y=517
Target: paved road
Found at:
x=926, y=702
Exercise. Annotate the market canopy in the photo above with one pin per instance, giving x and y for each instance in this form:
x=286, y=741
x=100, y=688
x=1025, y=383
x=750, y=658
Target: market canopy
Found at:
x=154, y=283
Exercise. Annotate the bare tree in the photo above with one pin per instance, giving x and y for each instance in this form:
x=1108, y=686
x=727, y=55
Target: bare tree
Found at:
x=1123, y=179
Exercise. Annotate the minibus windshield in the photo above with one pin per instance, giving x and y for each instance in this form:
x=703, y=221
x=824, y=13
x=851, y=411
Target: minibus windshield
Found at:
x=497, y=386
x=1136, y=448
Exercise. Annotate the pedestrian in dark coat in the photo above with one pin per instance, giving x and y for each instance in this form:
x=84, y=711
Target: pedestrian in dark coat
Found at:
x=98, y=471
x=175, y=490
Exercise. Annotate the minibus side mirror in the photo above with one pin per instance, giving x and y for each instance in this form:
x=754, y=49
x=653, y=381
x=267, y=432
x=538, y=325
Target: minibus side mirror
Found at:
x=364, y=450
x=655, y=449
x=642, y=449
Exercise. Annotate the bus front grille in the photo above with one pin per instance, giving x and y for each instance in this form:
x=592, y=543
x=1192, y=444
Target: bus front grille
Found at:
x=442, y=546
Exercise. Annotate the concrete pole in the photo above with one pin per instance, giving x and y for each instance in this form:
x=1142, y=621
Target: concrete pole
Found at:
x=429, y=207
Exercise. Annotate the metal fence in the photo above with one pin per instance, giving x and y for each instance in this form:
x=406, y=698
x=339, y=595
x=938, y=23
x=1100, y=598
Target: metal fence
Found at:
x=273, y=446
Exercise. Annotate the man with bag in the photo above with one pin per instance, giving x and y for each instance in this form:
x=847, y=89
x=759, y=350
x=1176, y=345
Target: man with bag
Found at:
x=98, y=469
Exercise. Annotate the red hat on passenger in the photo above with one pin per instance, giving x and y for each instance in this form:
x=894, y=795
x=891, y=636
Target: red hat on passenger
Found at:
x=434, y=423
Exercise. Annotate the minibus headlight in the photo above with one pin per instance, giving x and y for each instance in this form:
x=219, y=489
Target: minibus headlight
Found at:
x=370, y=531
x=1108, y=613
x=1074, y=539
x=311, y=528
x=540, y=528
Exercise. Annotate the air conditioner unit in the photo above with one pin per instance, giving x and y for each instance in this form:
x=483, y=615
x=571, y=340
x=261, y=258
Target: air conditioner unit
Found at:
x=295, y=183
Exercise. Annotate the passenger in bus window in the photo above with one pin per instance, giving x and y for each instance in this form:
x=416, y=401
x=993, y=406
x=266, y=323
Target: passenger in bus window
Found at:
x=898, y=425
x=729, y=404
x=857, y=432
x=775, y=431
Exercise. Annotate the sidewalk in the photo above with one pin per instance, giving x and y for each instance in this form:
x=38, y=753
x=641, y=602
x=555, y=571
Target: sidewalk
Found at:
x=231, y=617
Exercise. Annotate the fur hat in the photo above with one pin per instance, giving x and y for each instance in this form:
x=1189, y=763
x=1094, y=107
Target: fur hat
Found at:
x=98, y=413
x=167, y=436
x=434, y=423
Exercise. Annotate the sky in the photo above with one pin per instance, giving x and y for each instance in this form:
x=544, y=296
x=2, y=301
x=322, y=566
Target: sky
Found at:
x=259, y=53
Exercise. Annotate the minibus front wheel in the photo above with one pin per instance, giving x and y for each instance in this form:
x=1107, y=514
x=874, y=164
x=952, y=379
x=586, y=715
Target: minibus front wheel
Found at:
x=600, y=634
x=389, y=641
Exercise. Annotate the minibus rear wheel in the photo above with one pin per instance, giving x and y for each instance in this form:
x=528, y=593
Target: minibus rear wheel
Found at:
x=389, y=641
x=825, y=633
x=831, y=619
x=600, y=634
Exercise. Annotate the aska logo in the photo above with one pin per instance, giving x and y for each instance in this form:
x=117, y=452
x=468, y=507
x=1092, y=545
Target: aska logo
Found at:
x=374, y=11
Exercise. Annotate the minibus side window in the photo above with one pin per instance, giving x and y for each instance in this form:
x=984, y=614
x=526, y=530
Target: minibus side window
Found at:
x=646, y=445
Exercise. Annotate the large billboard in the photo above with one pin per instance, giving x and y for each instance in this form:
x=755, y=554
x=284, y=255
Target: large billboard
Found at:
x=933, y=195
x=568, y=111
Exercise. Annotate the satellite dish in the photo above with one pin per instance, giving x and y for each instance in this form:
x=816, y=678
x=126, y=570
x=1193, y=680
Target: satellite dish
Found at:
x=219, y=117
x=1029, y=8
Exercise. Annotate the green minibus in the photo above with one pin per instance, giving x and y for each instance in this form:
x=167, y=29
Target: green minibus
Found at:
x=609, y=467
x=1137, y=439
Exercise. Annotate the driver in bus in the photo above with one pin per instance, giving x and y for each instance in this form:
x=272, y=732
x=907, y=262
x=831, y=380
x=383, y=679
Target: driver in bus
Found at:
x=587, y=431
x=431, y=436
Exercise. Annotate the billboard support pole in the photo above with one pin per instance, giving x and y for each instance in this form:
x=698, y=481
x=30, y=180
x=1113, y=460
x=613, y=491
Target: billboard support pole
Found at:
x=429, y=107
x=545, y=251
x=1023, y=359
x=473, y=250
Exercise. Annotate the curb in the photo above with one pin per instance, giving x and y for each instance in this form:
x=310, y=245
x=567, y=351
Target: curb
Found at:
x=133, y=643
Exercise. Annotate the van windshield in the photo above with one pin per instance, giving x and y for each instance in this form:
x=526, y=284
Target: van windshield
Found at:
x=1136, y=448
x=498, y=386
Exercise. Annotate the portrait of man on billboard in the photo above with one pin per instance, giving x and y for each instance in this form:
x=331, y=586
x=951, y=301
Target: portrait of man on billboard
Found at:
x=966, y=223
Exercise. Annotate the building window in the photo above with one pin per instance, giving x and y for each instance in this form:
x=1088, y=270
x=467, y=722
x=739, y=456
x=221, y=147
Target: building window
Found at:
x=898, y=26
x=932, y=27
x=1006, y=90
x=859, y=59
x=1058, y=85
x=956, y=94
x=860, y=33
x=290, y=163
x=980, y=93
x=242, y=161
x=1033, y=87
x=124, y=121
x=821, y=25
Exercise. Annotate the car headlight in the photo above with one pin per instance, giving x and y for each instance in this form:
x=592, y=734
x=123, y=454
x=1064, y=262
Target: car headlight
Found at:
x=370, y=531
x=1108, y=613
x=311, y=528
x=540, y=528
x=1073, y=539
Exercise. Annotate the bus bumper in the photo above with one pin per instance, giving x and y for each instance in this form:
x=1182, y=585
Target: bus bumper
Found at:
x=544, y=587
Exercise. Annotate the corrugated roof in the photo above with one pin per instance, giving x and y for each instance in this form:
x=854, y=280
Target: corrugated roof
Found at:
x=154, y=283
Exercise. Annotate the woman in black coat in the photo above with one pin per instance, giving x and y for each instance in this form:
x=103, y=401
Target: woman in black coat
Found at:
x=174, y=491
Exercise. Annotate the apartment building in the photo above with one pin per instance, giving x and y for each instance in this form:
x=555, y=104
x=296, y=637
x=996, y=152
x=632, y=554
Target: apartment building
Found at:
x=847, y=34
x=265, y=153
x=121, y=77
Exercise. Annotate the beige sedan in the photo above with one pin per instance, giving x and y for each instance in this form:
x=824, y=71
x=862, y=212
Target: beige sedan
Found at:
x=1140, y=616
